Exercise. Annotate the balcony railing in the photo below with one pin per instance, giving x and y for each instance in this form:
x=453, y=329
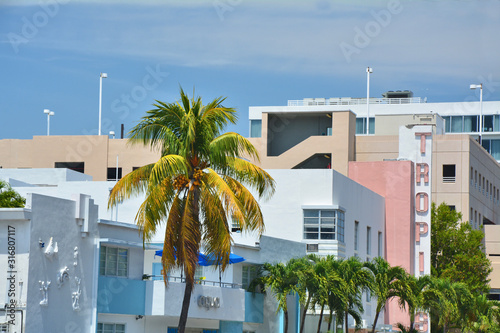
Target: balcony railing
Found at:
x=354, y=101
x=177, y=279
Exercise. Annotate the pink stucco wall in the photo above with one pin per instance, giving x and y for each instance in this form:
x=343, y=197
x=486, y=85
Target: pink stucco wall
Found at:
x=394, y=180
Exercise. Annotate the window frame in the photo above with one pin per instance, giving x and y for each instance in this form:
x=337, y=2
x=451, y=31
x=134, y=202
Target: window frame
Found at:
x=335, y=223
x=105, y=267
x=101, y=329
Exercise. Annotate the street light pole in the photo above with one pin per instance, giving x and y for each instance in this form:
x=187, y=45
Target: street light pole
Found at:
x=480, y=86
x=368, y=71
x=101, y=76
x=48, y=113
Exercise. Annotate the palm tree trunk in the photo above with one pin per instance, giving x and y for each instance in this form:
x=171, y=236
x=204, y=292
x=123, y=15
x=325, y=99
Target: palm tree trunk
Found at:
x=375, y=321
x=346, y=322
x=286, y=321
x=330, y=320
x=185, y=306
x=304, y=312
x=412, y=318
x=321, y=317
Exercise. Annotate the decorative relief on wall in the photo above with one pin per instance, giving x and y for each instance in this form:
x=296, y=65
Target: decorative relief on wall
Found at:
x=75, y=256
x=44, y=288
x=75, y=296
x=62, y=275
x=51, y=249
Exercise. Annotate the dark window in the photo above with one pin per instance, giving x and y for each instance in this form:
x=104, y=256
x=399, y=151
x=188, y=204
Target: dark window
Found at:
x=75, y=166
x=448, y=173
x=451, y=207
x=112, y=173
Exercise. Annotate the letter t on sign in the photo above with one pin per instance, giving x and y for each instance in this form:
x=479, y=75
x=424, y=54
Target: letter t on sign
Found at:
x=422, y=141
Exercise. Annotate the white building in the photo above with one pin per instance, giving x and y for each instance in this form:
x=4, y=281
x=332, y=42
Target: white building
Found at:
x=316, y=210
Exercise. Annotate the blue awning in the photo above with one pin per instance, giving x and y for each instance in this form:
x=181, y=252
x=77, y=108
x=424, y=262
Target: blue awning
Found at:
x=208, y=260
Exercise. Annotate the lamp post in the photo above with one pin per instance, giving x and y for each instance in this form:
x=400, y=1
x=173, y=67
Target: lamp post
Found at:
x=368, y=71
x=480, y=87
x=49, y=113
x=101, y=76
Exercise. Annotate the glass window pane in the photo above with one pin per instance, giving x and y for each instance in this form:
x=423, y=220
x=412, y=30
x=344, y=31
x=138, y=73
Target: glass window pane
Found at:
x=496, y=123
x=311, y=213
x=495, y=149
x=311, y=235
x=456, y=124
x=372, y=125
x=487, y=123
x=120, y=328
x=327, y=213
x=447, y=124
x=470, y=123
x=328, y=236
x=360, y=126
x=255, y=128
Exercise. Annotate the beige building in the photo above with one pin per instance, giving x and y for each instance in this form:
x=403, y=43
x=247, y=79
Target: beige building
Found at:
x=93, y=155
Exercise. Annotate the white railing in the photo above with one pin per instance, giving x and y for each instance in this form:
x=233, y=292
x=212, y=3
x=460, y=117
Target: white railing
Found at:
x=178, y=279
x=354, y=101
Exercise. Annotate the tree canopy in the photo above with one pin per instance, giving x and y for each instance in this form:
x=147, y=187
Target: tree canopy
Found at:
x=457, y=251
x=10, y=198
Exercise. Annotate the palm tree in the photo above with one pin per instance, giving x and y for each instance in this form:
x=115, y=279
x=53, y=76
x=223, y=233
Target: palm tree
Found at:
x=196, y=186
x=282, y=279
x=485, y=315
x=417, y=294
x=385, y=286
x=10, y=198
x=357, y=278
x=451, y=304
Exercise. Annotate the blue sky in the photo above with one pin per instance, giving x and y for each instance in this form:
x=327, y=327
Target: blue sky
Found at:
x=254, y=52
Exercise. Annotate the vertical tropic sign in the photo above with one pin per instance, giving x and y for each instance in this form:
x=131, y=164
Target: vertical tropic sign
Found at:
x=415, y=144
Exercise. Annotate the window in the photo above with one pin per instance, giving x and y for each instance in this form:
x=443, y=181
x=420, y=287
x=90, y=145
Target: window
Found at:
x=471, y=176
x=460, y=124
x=4, y=328
x=483, y=184
x=368, y=240
x=491, y=123
x=368, y=296
x=75, y=166
x=475, y=219
x=471, y=217
x=452, y=207
x=112, y=173
x=480, y=222
x=380, y=244
x=479, y=182
x=324, y=224
x=255, y=128
x=475, y=178
x=113, y=261
x=356, y=235
x=449, y=173
x=110, y=328
x=248, y=274
x=361, y=125
x=235, y=226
